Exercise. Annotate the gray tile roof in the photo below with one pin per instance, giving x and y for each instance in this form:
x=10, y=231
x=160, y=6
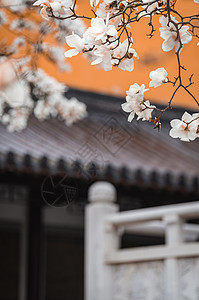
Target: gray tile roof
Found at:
x=109, y=141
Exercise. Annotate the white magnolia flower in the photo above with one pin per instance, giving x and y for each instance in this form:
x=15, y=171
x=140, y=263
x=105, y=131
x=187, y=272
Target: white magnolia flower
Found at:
x=136, y=92
x=158, y=77
x=74, y=111
x=42, y=110
x=16, y=119
x=135, y=103
x=185, y=129
x=44, y=84
x=65, y=28
x=103, y=57
x=142, y=109
x=59, y=8
x=74, y=41
x=145, y=112
x=169, y=34
x=149, y=8
x=126, y=62
x=17, y=94
x=99, y=30
x=104, y=9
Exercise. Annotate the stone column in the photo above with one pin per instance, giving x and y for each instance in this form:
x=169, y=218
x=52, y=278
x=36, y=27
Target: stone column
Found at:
x=99, y=239
x=174, y=237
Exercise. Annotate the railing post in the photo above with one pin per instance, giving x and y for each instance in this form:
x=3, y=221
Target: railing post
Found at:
x=174, y=237
x=98, y=240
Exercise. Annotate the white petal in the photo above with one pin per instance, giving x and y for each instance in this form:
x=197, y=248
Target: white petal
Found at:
x=192, y=135
x=74, y=40
x=195, y=115
x=177, y=46
x=71, y=52
x=131, y=116
x=44, y=14
x=55, y=6
x=99, y=37
x=107, y=19
x=176, y=123
x=108, y=67
x=184, y=139
x=126, y=107
x=127, y=65
x=186, y=117
x=98, y=23
x=154, y=83
x=183, y=134
x=168, y=44
x=112, y=30
x=97, y=61
x=39, y=2
x=186, y=37
x=174, y=133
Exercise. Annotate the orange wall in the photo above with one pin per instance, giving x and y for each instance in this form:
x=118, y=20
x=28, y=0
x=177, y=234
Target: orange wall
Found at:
x=87, y=77
x=116, y=82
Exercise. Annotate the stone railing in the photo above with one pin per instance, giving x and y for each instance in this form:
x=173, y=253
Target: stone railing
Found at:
x=166, y=272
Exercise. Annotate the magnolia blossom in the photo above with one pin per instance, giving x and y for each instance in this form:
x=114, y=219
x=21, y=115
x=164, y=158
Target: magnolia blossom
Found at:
x=43, y=110
x=141, y=109
x=99, y=30
x=135, y=103
x=16, y=104
x=105, y=9
x=100, y=41
x=136, y=92
x=16, y=119
x=94, y=39
x=186, y=129
x=103, y=57
x=17, y=94
x=149, y=8
x=158, y=77
x=59, y=8
x=44, y=85
x=111, y=8
x=74, y=41
x=122, y=56
x=125, y=54
x=169, y=34
x=74, y=111
x=66, y=27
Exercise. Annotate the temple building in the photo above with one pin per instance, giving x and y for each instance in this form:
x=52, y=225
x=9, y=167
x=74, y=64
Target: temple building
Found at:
x=45, y=173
